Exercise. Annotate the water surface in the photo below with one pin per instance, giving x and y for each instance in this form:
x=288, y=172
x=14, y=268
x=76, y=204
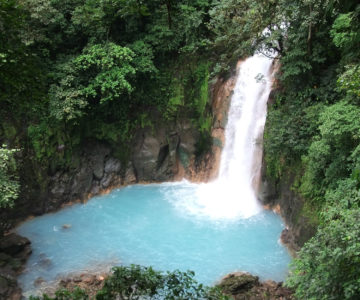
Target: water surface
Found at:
x=212, y=229
x=159, y=225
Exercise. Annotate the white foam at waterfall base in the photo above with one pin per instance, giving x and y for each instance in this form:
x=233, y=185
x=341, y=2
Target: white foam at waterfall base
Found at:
x=233, y=194
x=213, y=229
x=217, y=201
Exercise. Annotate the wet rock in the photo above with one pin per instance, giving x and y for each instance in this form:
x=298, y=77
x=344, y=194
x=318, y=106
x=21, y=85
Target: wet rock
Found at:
x=112, y=165
x=188, y=141
x=244, y=286
x=286, y=237
x=82, y=182
x=14, y=251
x=95, y=188
x=65, y=281
x=96, y=154
x=130, y=176
x=88, y=279
x=106, y=181
x=145, y=158
x=13, y=244
x=77, y=279
x=9, y=289
x=66, y=226
x=238, y=282
x=60, y=188
x=39, y=281
x=98, y=166
x=91, y=283
x=166, y=166
x=281, y=194
x=45, y=263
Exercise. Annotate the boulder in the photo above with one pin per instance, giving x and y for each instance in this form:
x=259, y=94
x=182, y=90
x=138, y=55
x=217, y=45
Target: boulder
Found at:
x=82, y=182
x=9, y=289
x=244, y=286
x=39, y=281
x=130, y=176
x=13, y=244
x=238, y=282
x=14, y=251
x=145, y=158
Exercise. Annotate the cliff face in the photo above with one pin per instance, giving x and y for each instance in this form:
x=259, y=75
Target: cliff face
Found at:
x=280, y=195
x=165, y=153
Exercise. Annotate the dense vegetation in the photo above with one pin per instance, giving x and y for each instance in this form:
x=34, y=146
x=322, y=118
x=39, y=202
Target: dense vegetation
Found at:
x=77, y=69
x=314, y=131
x=136, y=282
x=80, y=69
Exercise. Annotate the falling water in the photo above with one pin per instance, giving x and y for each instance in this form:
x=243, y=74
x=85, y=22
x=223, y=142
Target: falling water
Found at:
x=213, y=228
x=233, y=194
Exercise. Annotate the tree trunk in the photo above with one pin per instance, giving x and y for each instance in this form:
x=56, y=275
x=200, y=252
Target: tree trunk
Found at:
x=168, y=7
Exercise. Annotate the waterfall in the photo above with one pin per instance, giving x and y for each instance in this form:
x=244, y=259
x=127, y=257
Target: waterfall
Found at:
x=175, y=225
x=232, y=194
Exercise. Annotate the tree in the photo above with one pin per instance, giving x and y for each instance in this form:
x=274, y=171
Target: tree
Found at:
x=9, y=185
x=20, y=79
x=100, y=74
x=328, y=266
x=331, y=155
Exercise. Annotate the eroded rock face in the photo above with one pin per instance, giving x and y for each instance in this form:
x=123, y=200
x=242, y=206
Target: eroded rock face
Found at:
x=95, y=171
x=290, y=205
x=165, y=153
x=146, y=154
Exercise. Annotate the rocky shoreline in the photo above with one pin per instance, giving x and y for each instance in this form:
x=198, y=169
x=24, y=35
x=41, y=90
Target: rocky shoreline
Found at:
x=167, y=156
x=14, y=252
x=238, y=286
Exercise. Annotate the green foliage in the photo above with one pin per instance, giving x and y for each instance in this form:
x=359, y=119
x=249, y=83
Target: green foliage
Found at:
x=137, y=282
x=235, y=25
x=200, y=95
x=328, y=266
x=72, y=70
x=9, y=184
x=41, y=137
x=64, y=294
x=204, y=144
x=314, y=125
x=189, y=94
x=21, y=80
x=288, y=133
x=330, y=155
x=349, y=81
x=101, y=73
x=345, y=32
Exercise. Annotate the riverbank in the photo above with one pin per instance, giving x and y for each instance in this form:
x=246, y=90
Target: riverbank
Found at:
x=105, y=166
x=238, y=286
